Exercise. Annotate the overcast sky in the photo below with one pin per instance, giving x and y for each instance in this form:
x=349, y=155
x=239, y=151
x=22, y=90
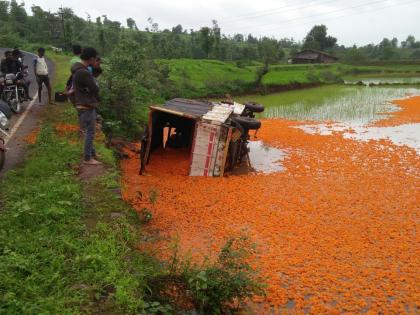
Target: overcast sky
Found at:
x=352, y=22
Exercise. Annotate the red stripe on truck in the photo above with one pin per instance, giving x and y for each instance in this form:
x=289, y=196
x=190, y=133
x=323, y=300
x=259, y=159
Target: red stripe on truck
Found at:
x=209, y=152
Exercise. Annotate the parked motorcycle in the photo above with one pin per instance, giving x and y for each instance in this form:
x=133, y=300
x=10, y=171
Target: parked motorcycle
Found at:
x=12, y=90
x=5, y=115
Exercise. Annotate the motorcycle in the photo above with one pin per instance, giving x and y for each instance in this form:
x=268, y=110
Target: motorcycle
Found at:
x=5, y=115
x=13, y=91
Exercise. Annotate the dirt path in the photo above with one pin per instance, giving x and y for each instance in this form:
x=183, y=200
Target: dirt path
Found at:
x=336, y=230
x=26, y=122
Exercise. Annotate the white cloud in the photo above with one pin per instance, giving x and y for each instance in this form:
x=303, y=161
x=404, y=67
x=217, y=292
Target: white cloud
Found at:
x=360, y=21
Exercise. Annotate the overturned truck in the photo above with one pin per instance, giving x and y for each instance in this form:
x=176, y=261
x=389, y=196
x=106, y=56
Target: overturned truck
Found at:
x=215, y=134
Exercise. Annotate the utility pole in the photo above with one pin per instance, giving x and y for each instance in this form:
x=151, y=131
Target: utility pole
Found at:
x=61, y=15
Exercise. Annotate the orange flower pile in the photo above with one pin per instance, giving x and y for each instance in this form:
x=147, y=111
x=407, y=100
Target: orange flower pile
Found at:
x=408, y=114
x=337, y=230
x=63, y=129
x=31, y=138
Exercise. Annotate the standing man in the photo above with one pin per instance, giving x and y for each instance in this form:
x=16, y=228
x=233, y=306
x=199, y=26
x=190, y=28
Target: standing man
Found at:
x=41, y=73
x=77, y=50
x=7, y=63
x=69, y=91
x=21, y=68
x=86, y=100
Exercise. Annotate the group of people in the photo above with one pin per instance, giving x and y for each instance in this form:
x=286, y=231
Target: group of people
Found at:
x=82, y=88
x=13, y=64
x=83, y=91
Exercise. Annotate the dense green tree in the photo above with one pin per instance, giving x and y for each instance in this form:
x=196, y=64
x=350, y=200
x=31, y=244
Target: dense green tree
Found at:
x=206, y=40
x=65, y=27
x=177, y=29
x=18, y=18
x=354, y=55
x=4, y=11
x=386, y=49
x=270, y=51
x=409, y=42
x=131, y=24
x=394, y=42
x=317, y=39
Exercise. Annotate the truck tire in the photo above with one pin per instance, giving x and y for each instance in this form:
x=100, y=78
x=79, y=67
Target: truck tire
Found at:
x=254, y=107
x=248, y=123
x=4, y=107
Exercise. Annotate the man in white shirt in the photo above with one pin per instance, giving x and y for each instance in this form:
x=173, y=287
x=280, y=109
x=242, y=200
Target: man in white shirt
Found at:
x=41, y=73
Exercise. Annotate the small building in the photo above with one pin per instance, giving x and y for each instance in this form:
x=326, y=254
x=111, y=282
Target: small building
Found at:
x=312, y=56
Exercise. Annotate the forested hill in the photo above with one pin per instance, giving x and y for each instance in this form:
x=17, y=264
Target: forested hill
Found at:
x=64, y=28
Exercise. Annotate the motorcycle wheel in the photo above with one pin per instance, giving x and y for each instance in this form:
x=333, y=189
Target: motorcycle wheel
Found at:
x=15, y=106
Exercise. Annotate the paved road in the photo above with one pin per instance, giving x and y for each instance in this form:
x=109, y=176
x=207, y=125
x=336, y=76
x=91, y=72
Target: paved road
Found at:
x=28, y=120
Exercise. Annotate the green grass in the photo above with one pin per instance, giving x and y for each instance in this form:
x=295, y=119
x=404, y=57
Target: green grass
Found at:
x=206, y=78
x=62, y=66
x=50, y=261
x=290, y=74
x=67, y=247
x=201, y=71
x=200, y=78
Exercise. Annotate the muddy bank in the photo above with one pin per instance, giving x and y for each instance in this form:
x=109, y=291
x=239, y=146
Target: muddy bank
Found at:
x=262, y=90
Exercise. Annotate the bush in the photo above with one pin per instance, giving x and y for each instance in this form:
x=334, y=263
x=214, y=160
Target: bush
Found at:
x=130, y=83
x=218, y=287
x=329, y=76
x=312, y=77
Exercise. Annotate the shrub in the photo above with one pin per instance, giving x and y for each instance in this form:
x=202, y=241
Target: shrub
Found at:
x=130, y=83
x=312, y=77
x=217, y=287
x=329, y=76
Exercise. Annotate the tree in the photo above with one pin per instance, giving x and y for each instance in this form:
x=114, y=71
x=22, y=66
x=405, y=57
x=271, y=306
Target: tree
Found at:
x=410, y=41
x=354, y=55
x=238, y=38
x=177, y=29
x=206, y=40
x=18, y=18
x=154, y=26
x=386, y=49
x=4, y=11
x=317, y=39
x=131, y=82
x=216, y=34
x=394, y=42
x=131, y=24
x=270, y=51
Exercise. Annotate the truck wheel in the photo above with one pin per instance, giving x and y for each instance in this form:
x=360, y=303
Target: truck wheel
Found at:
x=254, y=107
x=248, y=123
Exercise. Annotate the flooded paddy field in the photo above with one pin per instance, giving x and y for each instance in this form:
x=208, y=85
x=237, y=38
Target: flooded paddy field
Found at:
x=336, y=225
